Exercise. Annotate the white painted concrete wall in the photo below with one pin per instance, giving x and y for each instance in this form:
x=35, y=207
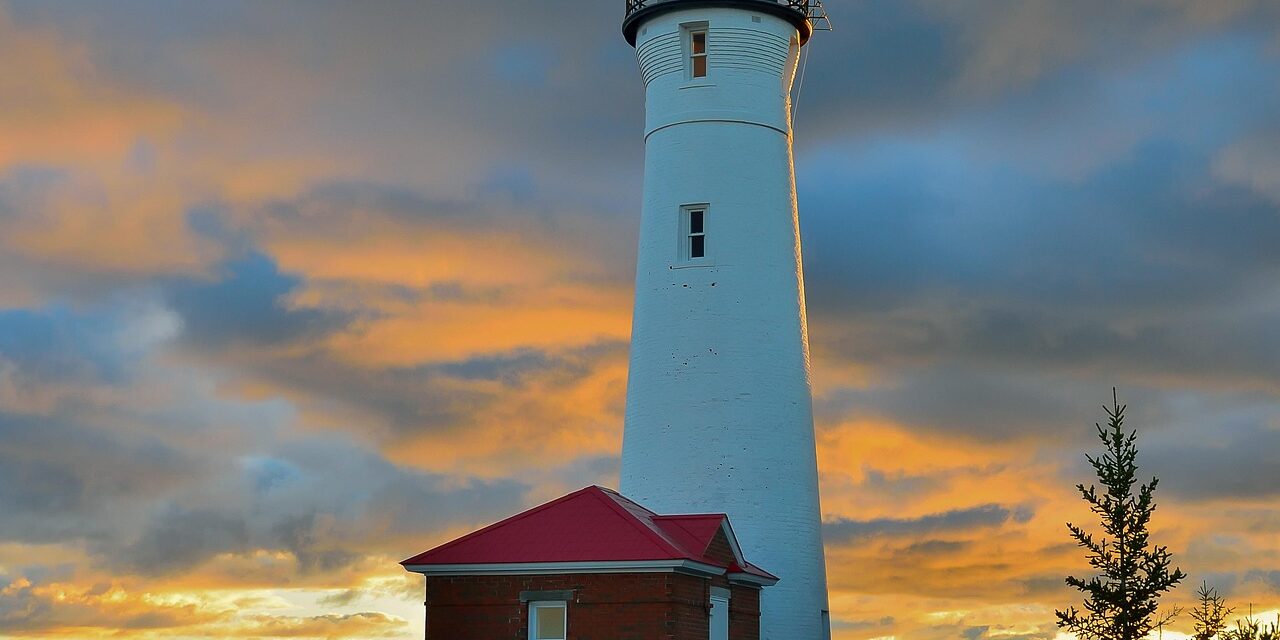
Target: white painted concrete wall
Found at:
x=719, y=414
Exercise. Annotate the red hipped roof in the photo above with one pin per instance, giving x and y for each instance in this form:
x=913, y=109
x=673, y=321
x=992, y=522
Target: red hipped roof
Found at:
x=594, y=524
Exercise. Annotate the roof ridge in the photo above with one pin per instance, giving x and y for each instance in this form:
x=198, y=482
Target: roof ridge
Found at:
x=701, y=552
x=675, y=521
x=655, y=537
x=618, y=496
x=508, y=520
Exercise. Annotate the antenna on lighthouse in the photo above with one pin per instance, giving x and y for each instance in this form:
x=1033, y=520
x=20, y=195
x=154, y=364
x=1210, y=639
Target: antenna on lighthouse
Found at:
x=818, y=16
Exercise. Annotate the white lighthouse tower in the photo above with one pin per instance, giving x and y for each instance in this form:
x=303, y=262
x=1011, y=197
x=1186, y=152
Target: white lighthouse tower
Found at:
x=719, y=415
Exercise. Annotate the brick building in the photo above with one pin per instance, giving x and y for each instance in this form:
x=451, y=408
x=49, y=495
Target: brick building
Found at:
x=593, y=565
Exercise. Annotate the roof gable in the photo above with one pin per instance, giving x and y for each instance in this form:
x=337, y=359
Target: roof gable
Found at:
x=593, y=527
x=695, y=532
x=592, y=524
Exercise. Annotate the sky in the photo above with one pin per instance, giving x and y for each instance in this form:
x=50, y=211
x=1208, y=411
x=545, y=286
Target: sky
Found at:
x=291, y=291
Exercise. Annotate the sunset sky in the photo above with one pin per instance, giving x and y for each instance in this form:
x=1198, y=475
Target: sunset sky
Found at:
x=290, y=291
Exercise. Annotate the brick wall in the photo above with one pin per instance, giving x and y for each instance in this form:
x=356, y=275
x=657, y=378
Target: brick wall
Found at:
x=744, y=613
x=626, y=606
x=719, y=549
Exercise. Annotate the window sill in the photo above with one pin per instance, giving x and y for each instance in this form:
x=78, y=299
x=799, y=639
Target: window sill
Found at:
x=697, y=85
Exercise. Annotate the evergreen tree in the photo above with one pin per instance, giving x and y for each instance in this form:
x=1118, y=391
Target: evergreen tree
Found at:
x=1250, y=629
x=1121, y=602
x=1210, y=614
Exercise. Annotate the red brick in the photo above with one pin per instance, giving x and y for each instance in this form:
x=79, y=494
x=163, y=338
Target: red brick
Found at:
x=626, y=606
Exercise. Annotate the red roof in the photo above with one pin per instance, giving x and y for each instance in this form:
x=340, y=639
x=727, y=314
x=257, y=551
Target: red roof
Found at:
x=590, y=525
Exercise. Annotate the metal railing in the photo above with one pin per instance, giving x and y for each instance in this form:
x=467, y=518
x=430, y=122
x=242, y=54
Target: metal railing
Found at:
x=811, y=9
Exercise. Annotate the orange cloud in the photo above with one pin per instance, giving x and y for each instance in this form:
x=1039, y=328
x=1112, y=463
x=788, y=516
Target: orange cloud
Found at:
x=55, y=109
x=547, y=422
x=132, y=228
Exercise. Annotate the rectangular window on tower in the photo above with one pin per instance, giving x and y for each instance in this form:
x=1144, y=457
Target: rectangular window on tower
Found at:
x=698, y=53
x=693, y=233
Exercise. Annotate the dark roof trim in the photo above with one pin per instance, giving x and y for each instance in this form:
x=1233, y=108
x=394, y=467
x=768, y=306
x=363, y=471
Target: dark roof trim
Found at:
x=564, y=595
x=631, y=24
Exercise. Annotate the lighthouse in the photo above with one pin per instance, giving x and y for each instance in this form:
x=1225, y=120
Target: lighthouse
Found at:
x=719, y=405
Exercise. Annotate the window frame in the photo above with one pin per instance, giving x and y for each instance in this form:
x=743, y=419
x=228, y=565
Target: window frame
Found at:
x=534, y=608
x=691, y=31
x=687, y=234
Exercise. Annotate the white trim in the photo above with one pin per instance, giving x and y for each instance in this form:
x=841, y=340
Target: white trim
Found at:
x=537, y=568
x=751, y=579
x=733, y=542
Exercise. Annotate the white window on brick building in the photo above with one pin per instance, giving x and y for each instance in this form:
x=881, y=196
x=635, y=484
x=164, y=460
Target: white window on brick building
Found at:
x=548, y=621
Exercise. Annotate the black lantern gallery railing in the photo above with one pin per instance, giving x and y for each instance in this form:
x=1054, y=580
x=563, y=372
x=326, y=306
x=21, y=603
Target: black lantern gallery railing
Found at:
x=811, y=9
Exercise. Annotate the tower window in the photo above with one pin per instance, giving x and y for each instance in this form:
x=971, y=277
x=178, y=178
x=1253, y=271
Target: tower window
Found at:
x=694, y=232
x=698, y=53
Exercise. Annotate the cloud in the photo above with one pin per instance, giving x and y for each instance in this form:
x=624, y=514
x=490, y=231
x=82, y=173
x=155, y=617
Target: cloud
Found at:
x=1235, y=464
x=67, y=111
x=36, y=609
x=843, y=531
x=1252, y=162
x=404, y=587
x=247, y=307
x=61, y=344
x=321, y=523
x=32, y=609
x=365, y=624
x=179, y=538
x=61, y=480
x=1012, y=44
x=972, y=404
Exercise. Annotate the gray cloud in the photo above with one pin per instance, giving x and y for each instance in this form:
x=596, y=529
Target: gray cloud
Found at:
x=331, y=507
x=247, y=307
x=378, y=95
x=60, y=479
x=1045, y=587
x=1234, y=463
x=901, y=485
x=919, y=63
x=963, y=402
x=965, y=243
x=408, y=400
x=843, y=531
x=179, y=539
x=883, y=622
x=935, y=548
